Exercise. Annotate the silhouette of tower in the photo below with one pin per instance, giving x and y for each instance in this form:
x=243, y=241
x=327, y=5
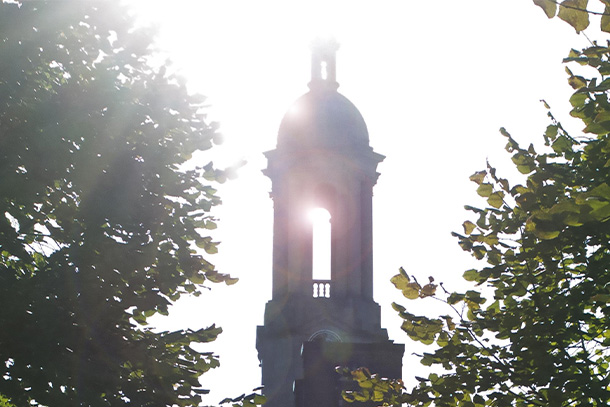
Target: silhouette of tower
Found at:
x=323, y=159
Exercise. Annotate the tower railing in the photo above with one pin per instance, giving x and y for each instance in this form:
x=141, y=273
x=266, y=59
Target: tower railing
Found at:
x=321, y=288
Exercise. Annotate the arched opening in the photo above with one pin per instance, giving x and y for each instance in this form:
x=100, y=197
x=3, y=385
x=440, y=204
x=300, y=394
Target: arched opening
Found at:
x=320, y=219
x=325, y=335
x=324, y=70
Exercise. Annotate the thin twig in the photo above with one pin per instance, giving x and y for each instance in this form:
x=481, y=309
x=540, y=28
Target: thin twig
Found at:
x=595, y=13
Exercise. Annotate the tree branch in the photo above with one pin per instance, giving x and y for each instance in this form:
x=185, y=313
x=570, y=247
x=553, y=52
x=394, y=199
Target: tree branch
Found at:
x=595, y=13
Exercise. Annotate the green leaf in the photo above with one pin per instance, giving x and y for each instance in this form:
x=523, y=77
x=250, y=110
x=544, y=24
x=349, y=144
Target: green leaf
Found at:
x=474, y=297
x=478, y=177
x=504, y=132
x=562, y=144
x=4, y=402
x=362, y=397
x=605, y=21
x=400, y=281
x=542, y=230
x=494, y=307
x=600, y=191
x=468, y=227
x=525, y=163
x=548, y=6
x=604, y=85
x=565, y=207
x=361, y=374
x=601, y=298
x=577, y=82
x=602, y=213
x=398, y=307
x=454, y=298
x=443, y=339
x=496, y=199
x=578, y=99
x=471, y=275
x=574, y=12
x=411, y=291
x=485, y=190
x=551, y=132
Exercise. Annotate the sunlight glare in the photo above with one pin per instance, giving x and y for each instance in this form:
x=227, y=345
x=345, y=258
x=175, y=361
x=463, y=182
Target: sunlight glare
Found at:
x=320, y=219
x=318, y=215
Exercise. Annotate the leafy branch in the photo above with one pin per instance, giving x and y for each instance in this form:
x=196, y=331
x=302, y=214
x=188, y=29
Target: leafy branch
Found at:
x=575, y=12
x=545, y=250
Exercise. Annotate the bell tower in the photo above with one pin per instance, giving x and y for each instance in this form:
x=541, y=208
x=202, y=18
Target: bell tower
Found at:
x=323, y=160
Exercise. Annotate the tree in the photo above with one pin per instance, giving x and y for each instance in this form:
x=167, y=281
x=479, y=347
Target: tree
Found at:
x=539, y=335
x=100, y=216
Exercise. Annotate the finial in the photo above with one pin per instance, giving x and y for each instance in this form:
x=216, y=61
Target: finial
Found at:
x=323, y=64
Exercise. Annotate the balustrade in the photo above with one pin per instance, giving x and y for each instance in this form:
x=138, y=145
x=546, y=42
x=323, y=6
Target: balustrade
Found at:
x=321, y=289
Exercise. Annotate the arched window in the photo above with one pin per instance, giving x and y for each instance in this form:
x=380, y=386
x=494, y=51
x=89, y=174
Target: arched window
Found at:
x=324, y=70
x=320, y=218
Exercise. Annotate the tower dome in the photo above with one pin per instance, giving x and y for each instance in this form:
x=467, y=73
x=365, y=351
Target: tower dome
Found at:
x=323, y=117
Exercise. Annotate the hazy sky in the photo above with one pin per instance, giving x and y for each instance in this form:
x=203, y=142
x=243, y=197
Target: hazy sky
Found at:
x=434, y=80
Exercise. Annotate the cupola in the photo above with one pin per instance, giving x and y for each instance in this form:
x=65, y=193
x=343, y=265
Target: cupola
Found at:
x=317, y=321
x=323, y=117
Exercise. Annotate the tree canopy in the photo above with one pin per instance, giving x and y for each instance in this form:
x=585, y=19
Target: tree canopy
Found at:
x=101, y=221
x=538, y=334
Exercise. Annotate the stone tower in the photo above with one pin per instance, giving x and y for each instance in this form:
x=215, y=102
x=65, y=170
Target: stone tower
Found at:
x=323, y=159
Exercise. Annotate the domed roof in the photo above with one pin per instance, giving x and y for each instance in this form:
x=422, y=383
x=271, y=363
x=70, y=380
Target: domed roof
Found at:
x=322, y=118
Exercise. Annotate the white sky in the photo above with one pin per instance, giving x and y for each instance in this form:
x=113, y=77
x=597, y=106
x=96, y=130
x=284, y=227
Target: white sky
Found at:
x=434, y=80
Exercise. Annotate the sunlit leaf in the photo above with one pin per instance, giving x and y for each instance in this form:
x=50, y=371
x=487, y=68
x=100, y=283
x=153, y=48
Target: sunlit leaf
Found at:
x=602, y=213
x=562, y=144
x=577, y=82
x=551, y=131
x=471, y=275
x=411, y=290
x=443, y=339
x=485, y=190
x=478, y=177
x=504, y=132
x=545, y=233
x=400, y=281
x=605, y=20
x=496, y=199
x=548, y=6
x=468, y=227
x=601, y=191
x=574, y=12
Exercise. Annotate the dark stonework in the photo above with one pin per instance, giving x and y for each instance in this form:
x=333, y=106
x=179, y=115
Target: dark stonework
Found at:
x=322, y=386
x=322, y=159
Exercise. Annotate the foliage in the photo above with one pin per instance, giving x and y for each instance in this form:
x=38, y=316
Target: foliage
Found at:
x=99, y=216
x=543, y=337
x=575, y=12
x=4, y=402
x=372, y=387
x=245, y=400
